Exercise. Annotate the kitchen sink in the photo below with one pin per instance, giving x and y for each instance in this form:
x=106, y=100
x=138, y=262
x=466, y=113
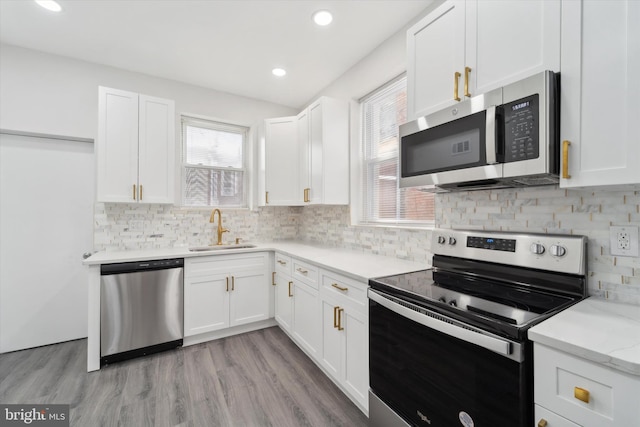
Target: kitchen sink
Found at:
x=220, y=247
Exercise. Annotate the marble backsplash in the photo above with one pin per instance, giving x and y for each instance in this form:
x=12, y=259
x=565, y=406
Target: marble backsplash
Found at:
x=540, y=209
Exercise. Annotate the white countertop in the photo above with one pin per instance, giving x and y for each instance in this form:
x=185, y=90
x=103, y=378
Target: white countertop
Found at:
x=594, y=329
x=357, y=265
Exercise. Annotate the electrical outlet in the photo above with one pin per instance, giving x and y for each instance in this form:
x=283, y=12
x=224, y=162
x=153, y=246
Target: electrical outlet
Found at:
x=624, y=241
x=136, y=225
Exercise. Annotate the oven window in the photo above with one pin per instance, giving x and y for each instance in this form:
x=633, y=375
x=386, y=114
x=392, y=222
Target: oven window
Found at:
x=432, y=379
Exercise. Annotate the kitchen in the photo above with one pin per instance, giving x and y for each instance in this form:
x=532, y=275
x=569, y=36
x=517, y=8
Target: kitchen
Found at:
x=560, y=209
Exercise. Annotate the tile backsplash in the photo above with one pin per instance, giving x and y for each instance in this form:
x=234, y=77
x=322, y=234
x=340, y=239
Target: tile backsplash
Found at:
x=540, y=209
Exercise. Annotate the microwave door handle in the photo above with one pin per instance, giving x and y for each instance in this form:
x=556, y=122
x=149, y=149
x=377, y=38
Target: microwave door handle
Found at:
x=490, y=137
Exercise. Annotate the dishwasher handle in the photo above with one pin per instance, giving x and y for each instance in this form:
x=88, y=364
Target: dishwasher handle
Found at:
x=132, y=267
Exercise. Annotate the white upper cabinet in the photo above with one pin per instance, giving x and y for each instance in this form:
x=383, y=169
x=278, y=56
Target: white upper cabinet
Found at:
x=281, y=162
x=600, y=92
x=307, y=156
x=465, y=48
x=135, y=148
x=328, y=148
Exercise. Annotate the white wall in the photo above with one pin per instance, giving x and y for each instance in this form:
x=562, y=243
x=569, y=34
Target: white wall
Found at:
x=54, y=95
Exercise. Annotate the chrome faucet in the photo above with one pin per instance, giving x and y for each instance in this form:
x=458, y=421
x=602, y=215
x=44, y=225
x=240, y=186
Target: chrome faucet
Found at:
x=220, y=229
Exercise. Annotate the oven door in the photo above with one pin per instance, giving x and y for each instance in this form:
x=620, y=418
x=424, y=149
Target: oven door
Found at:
x=454, y=146
x=429, y=370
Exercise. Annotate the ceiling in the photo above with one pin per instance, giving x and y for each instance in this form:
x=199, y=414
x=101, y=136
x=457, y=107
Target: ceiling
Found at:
x=230, y=46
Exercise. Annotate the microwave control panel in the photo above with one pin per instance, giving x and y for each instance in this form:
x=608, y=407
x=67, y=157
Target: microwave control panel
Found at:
x=521, y=129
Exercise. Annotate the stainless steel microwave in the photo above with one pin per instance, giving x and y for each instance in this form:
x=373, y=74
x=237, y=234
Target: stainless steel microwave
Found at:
x=508, y=137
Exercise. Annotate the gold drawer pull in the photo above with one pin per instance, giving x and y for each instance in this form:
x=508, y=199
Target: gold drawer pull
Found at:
x=340, y=310
x=227, y=284
x=565, y=159
x=456, y=78
x=467, y=70
x=300, y=270
x=281, y=262
x=581, y=394
x=140, y=191
x=134, y=192
x=290, y=294
x=273, y=278
x=335, y=316
x=335, y=285
x=542, y=423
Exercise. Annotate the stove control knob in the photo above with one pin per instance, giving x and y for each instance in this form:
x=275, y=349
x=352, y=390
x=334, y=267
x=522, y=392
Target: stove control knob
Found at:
x=537, y=248
x=441, y=240
x=452, y=240
x=442, y=299
x=453, y=303
x=557, y=250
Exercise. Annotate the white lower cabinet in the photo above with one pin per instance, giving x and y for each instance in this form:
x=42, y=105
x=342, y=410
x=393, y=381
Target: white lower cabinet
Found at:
x=345, y=339
x=223, y=291
x=570, y=391
x=306, y=317
x=326, y=315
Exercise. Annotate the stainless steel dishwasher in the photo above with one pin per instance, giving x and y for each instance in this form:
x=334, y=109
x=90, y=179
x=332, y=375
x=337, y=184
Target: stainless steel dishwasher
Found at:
x=141, y=308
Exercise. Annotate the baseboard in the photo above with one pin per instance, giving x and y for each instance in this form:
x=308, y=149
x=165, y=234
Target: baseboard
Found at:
x=223, y=333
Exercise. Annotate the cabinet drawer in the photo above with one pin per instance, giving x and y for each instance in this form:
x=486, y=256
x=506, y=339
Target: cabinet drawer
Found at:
x=218, y=264
x=304, y=272
x=609, y=397
x=348, y=290
x=551, y=419
x=283, y=264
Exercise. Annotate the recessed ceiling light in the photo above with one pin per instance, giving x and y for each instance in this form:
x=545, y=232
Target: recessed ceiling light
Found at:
x=279, y=72
x=322, y=17
x=50, y=5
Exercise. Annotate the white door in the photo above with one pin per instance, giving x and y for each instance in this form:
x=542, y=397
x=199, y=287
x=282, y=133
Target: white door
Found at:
x=46, y=224
x=283, y=303
x=249, y=297
x=206, y=302
x=281, y=161
x=306, y=317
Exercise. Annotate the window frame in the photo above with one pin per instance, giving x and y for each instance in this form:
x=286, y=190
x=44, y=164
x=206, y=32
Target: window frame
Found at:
x=365, y=190
x=219, y=125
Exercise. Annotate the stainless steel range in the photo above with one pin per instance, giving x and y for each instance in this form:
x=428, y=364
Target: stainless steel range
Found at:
x=449, y=347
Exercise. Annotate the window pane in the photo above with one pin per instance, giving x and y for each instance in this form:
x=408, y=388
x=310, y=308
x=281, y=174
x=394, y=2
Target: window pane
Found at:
x=213, y=187
x=384, y=202
x=210, y=147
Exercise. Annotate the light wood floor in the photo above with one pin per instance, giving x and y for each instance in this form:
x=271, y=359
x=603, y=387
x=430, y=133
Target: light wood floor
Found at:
x=256, y=379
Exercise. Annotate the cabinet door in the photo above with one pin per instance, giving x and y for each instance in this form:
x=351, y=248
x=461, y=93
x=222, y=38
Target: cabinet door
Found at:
x=304, y=155
x=508, y=40
x=435, y=52
x=249, y=297
x=356, y=354
x=306, y=317
x=156, y=148
x=117, y=146
x=284, y=301
x=600, y=92
x=206, y=304
x=332, y=340
x=281, y=162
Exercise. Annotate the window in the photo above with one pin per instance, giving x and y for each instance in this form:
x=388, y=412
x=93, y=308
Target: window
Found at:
x=383, y=201
x=214, y=171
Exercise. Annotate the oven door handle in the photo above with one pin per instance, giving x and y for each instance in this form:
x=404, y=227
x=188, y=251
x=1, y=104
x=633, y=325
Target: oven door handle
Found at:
x=496, y=345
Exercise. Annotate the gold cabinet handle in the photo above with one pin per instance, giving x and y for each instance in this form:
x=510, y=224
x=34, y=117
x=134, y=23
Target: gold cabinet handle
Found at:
x=306, y=195
x=140, y=191
x=273, y=278
x=467, y=70
x=134, y=192
x=565, y=159
x=227, y=284
x=542, y=423
x=233, y=283
x=335, y=316
x=301, y=271
x=290, y=294
x=340, y=310
x=456, y=77
x=581, y=394
x=335, y=285
x=266, y=197
x=281, y=262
